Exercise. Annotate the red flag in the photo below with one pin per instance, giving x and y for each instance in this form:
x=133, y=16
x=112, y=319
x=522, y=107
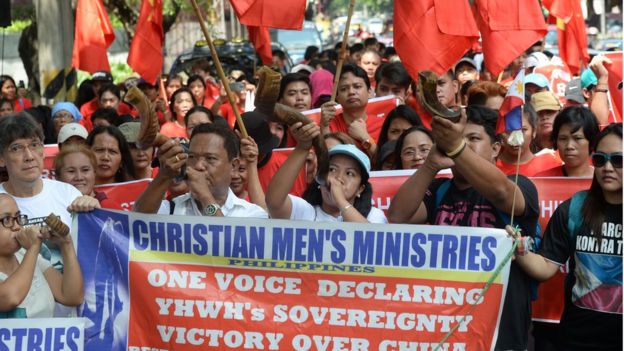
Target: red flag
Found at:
x=508, y=28
x=571, y=33
x=433, y=34
x=615, y=85
x=145, y=56
x=93, y=35
x=288, y=14
x=261, y=40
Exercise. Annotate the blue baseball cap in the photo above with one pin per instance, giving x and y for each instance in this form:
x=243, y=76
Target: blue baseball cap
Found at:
x=352, y=151
x=538, y=79
x=588, y=78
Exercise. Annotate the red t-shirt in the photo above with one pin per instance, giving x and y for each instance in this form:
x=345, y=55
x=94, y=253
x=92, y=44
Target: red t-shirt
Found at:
x=90, y=107
x=21, y=104
x=208, y=101
x=226, y=111
x=537, y=164
x=373, y=126
x=266, y=173
x=173, y=130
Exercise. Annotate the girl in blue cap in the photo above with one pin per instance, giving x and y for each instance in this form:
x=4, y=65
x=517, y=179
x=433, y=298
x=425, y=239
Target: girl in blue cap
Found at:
x=345, y=195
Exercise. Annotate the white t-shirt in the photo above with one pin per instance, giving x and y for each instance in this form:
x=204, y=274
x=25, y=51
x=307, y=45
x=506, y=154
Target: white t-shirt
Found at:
x=54, y=197
x=303, y=210
x=233, y=207
x=39, y=302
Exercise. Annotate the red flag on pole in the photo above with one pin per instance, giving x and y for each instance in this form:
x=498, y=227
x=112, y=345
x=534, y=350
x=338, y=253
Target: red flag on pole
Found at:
x=93, y=35
x=615, y=85
x=261, y=40
x=145, y=56
x=571, y=33
x=508, y=28
x=288, y=14
x=433, y=34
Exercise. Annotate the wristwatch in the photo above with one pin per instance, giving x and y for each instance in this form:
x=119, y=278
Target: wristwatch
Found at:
x=211, y=210
x=367, y=144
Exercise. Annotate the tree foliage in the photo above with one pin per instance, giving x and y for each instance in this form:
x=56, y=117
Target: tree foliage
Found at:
x=125, y=13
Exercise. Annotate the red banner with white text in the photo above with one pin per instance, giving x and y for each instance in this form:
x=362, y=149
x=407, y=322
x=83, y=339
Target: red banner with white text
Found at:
x=552, y=192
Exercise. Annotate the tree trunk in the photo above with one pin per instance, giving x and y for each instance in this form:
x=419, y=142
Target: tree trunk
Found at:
x=29, y=53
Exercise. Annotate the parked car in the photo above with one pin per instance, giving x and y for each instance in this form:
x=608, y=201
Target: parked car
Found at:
x=296, y=41
x=235, y=54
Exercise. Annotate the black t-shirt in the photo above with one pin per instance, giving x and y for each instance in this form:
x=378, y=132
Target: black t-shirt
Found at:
x=592, y=315
x=469, y=208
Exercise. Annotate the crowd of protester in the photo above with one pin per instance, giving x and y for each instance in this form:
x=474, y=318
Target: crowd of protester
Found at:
x=208, y=169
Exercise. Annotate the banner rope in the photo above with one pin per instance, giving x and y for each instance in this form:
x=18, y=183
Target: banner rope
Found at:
x=487, y=286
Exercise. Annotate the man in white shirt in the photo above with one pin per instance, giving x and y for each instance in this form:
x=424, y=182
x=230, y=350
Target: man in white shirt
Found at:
x=212, y=156
x=21, y=153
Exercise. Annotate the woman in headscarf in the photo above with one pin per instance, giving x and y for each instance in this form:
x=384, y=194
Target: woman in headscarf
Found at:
x=64, y=113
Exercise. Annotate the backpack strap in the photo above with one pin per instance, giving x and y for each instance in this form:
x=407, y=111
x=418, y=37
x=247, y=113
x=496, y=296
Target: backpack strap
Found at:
x=441, y=191
x=574, y=214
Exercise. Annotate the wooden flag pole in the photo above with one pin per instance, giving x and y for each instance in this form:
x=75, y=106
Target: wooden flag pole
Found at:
x=222, y=77
x=343, y=50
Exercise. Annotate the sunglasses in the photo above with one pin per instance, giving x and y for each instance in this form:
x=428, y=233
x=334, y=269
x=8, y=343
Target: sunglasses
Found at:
x=599, y=159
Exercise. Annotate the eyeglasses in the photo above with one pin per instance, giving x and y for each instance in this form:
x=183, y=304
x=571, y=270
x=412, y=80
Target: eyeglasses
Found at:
x=62, y=116
x=9, y=222
x=599, y=159
x=410, y=153
x=19, y=149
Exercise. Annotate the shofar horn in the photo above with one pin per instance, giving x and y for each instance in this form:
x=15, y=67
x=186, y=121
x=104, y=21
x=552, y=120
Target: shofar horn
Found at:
x=56, y=225
x=427, y=83
x=290, y=116
x=267, y=92
x=148, y=133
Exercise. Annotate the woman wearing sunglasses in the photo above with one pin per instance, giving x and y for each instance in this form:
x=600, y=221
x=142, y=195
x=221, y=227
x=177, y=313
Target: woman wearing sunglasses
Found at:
x=587, y=229
x=29, y=285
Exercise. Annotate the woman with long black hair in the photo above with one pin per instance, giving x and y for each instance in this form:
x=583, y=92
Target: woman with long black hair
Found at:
x=587, y=230
x=114, y=161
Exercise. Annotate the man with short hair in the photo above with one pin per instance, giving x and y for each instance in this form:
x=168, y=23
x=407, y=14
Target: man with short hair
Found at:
x=392, y=79
x=99, y=79
x=21, y=154
x=478, y=195
x=295, y=92
x=211, y=158
x=355, y=53
x=370, y=61
x=279, y=60
x=447, y=88
x=371, y=44
x=353, y=87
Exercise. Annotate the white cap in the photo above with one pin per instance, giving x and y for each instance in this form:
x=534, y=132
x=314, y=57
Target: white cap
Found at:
x=302, y=67
x=72, y=129
x=536, y=59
